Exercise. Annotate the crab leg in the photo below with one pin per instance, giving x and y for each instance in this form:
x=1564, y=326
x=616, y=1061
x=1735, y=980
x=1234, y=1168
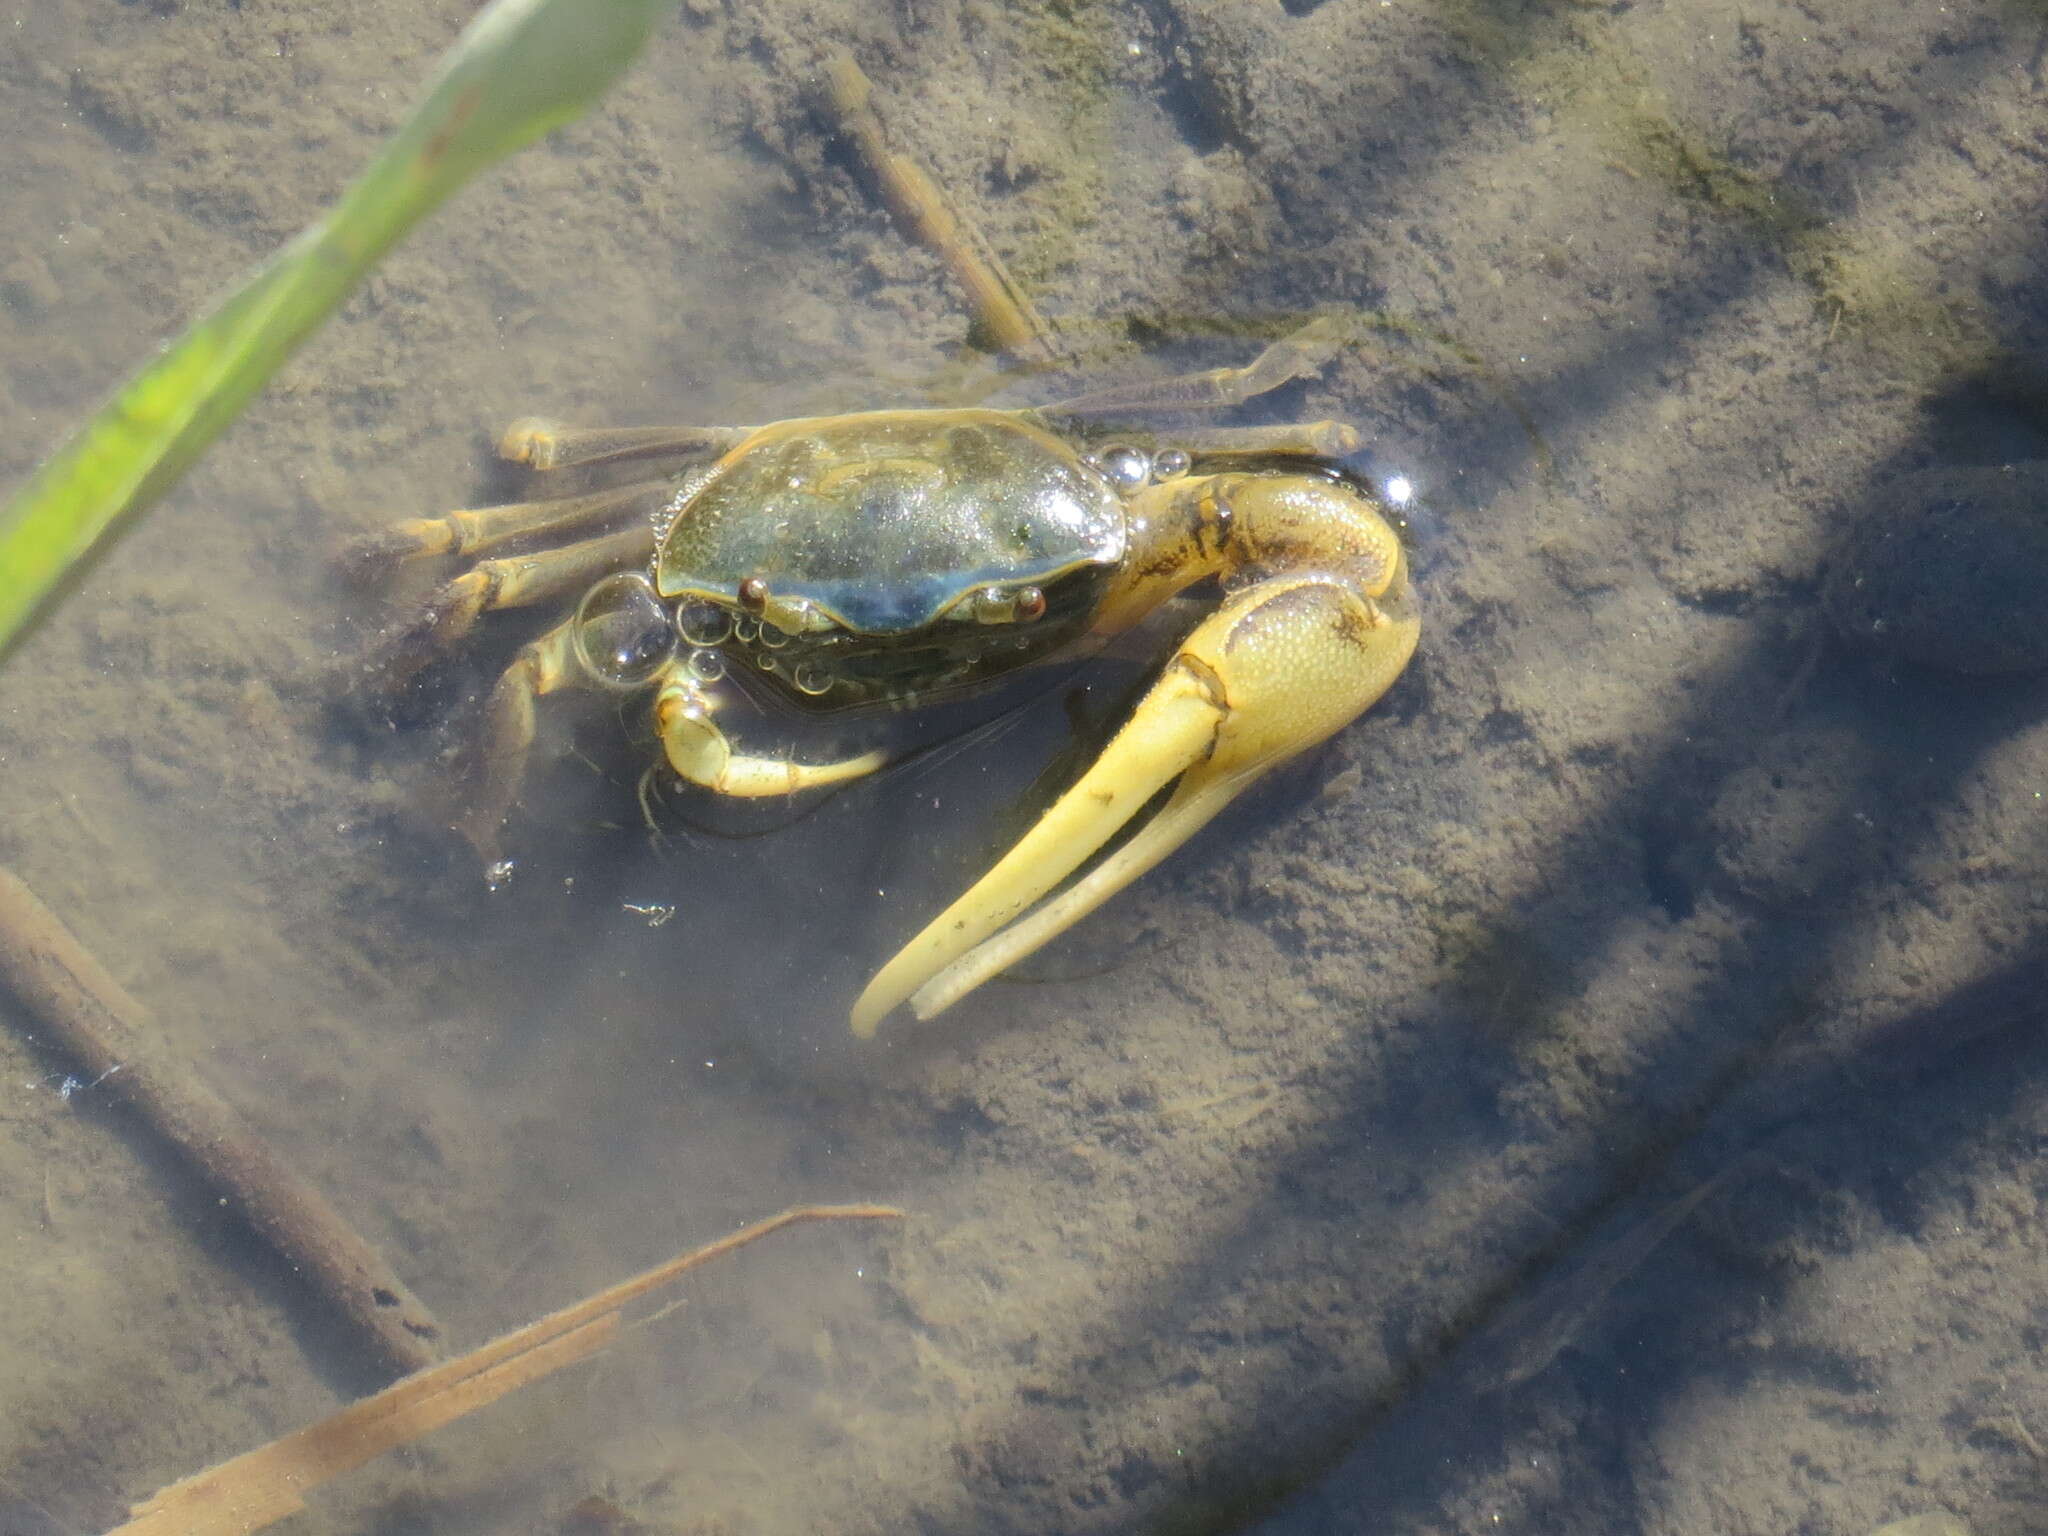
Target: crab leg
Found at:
x=494, y=773
x=512, y=581
x=1286, y=439
x=1280, y=666
x=543, y=445
x=1294, y=356
x=474, y=530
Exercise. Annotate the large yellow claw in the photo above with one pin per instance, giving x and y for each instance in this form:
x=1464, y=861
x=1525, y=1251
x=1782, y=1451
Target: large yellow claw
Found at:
x=1279, y=667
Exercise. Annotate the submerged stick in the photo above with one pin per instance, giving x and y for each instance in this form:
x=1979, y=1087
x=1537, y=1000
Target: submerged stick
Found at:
x=1534, y=1329
x=112, y=1038
x=265, y=1485
x=923, y=214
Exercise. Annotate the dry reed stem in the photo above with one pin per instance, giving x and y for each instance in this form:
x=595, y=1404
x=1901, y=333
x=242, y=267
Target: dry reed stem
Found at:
x=265, y=1485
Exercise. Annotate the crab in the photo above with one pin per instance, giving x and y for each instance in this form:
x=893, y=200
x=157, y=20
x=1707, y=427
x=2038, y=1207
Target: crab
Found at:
x=886, y=559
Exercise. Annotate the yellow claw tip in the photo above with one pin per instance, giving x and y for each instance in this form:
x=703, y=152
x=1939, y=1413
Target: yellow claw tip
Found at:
x=869, y=1009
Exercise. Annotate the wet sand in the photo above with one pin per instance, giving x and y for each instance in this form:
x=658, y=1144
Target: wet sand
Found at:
x=1640, y=871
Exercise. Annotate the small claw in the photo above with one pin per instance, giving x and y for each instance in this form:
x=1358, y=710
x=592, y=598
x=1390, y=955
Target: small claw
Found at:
x=700, y=754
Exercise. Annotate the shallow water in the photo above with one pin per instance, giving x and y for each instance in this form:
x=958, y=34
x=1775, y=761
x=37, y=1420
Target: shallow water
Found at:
x=1312, y=1184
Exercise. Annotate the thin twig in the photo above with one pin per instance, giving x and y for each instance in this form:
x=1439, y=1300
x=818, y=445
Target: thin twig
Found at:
x=267, y=1484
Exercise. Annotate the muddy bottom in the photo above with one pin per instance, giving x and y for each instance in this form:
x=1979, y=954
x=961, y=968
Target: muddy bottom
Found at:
x=1595, y=1093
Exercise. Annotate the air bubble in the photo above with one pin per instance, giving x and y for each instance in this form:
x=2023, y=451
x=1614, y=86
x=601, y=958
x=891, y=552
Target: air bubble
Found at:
x=707, y=666
x=623, y=635
x=1125, y=467
x=812, y=679
x=1171, y=465
x=702, y=623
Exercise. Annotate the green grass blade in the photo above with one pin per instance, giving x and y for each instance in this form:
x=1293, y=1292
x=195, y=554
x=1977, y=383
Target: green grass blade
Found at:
x=522, y=68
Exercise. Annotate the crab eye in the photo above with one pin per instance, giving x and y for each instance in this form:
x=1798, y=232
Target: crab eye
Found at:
x=992, y=605
x=623, y=635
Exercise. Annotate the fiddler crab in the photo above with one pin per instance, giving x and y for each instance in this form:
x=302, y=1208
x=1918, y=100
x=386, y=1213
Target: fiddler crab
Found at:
x=892, y=557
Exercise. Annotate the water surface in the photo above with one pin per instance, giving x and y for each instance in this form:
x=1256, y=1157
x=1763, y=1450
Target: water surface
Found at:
x=1314, y=1182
